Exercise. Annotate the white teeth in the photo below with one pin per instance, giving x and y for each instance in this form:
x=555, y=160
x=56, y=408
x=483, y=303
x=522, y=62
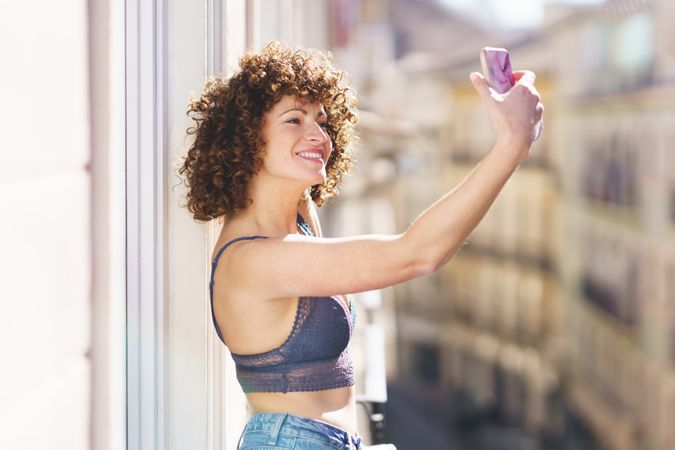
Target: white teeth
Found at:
x=310, y=155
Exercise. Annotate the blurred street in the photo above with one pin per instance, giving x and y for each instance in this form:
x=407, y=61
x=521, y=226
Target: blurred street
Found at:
x=417, y=418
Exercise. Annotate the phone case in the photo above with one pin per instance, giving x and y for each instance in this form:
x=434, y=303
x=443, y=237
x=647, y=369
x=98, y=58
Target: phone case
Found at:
x=496, y=65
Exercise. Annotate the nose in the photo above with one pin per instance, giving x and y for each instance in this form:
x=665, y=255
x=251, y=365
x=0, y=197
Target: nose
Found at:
x=316, y=133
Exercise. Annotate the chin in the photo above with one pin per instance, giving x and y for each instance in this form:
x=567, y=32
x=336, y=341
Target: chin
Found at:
x=318, y=179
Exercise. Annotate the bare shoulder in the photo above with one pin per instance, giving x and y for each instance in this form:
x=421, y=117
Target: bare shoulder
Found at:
x=224, y=254
x=248, y=322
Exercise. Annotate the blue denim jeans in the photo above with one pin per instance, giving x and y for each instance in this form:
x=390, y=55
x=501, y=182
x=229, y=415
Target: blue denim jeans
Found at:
x=269, y=431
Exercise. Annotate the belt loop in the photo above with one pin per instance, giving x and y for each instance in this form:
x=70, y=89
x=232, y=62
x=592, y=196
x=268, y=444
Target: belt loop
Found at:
x=274, y=433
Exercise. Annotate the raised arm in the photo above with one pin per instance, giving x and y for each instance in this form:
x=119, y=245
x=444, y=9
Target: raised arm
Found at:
x=297, y=265
x=442, y=229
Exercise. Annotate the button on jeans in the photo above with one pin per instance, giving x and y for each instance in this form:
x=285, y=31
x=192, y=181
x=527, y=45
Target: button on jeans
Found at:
x=270, y=431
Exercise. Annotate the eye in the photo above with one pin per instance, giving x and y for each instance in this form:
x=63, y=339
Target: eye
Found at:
x=293, y=120
x=324, y=125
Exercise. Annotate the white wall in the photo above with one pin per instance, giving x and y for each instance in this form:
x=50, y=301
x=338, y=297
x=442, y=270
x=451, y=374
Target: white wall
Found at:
x=45, y=235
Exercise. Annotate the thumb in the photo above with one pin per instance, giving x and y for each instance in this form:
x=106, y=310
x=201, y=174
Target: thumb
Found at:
x=480, y=84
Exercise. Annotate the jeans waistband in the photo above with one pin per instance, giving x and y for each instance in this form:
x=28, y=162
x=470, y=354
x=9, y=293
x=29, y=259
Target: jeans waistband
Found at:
x=298, y=426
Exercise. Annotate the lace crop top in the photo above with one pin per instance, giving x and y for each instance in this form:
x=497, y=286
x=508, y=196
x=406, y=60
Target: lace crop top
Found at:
x=314, y=357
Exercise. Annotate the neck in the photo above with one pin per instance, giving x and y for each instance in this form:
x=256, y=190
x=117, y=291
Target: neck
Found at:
x=275, y=204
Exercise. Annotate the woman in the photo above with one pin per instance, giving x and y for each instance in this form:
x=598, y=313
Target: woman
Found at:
x=271, y=142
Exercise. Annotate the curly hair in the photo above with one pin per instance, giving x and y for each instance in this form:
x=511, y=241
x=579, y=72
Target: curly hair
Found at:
x=229, y=115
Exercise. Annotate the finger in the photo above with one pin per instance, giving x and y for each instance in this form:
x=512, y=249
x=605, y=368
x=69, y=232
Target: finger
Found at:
x=480, y=84
x=538, y=113
x=539, y=129
x=518, y=74
x=527, y=90
x=524, y=77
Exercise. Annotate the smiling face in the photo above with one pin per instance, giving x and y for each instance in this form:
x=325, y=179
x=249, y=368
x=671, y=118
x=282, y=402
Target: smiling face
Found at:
x=297, y=145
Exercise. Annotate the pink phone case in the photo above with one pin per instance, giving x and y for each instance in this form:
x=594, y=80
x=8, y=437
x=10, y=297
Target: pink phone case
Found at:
x=496, y=66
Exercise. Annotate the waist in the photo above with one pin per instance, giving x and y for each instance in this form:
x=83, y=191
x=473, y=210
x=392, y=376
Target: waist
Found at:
x=334, y=406
x=287, y=430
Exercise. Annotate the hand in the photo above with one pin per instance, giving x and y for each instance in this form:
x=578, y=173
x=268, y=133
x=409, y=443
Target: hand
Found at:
x=516, y=115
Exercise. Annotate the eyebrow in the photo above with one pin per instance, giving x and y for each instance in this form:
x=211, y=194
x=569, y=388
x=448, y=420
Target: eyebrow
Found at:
x=304, y=111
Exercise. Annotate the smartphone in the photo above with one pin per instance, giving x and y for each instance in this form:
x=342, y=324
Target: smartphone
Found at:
x=496, y=65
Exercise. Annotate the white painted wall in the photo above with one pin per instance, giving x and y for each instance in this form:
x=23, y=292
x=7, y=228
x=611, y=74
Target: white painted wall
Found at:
x=45, y=233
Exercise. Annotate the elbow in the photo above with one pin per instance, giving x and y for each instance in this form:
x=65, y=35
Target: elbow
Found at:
x=427, y=257
x=430, y=263
x=419, y=261
x=424, y=267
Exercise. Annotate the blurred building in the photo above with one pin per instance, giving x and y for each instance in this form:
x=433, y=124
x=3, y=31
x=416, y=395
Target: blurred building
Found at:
x=612, y=129
x=484, y=332
x=495, y=308
x=557, y=315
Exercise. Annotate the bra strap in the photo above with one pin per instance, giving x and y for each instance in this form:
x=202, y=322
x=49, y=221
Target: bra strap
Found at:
x=304, y=226
x=242, y=238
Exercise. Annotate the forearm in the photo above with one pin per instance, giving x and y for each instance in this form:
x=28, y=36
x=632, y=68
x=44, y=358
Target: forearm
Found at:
x=440, y=231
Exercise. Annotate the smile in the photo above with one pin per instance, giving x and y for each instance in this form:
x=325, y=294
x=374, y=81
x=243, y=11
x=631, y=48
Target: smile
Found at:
x=312, y=156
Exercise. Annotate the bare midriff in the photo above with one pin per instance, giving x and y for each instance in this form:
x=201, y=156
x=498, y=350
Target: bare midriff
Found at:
x=334, y=406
